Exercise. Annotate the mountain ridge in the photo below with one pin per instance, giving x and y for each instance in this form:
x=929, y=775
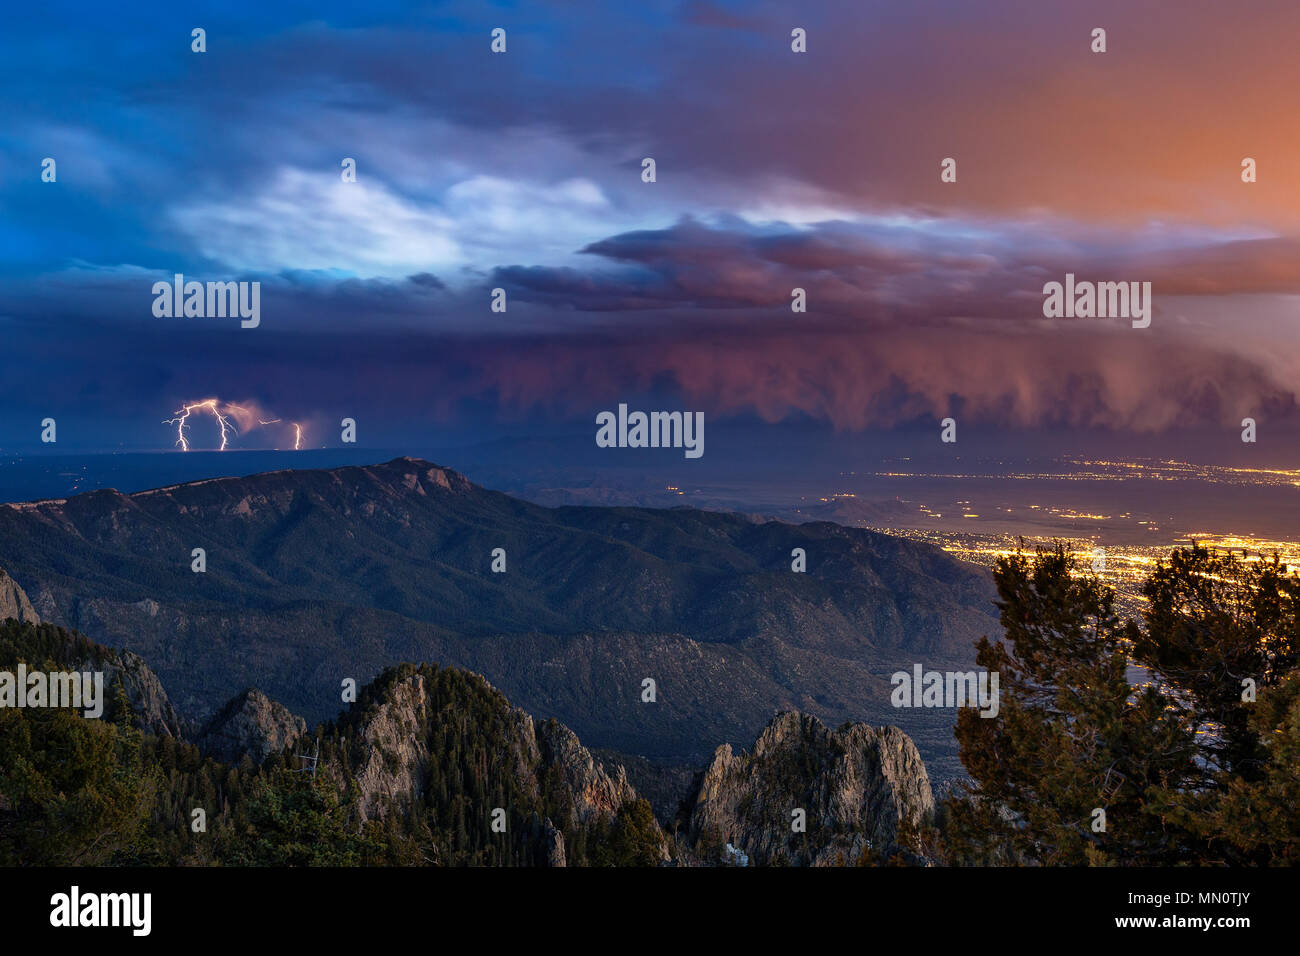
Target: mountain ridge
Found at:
x=314, y=576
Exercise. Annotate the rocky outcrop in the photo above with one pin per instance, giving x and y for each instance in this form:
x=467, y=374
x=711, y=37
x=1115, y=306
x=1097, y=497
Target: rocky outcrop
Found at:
x=250, y=725
x=14, y=602
x=594, y=790
x=144, y=692
x=854, y=787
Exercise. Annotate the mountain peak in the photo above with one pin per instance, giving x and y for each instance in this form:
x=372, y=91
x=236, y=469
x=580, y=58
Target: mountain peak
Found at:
x=417, y=470
x=253, y=724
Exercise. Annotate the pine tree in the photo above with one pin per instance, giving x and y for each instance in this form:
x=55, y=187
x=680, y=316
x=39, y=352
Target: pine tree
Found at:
x=1186, y=768
x=1072, y=737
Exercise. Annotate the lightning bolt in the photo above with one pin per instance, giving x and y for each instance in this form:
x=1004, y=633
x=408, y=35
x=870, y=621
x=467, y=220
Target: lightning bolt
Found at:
x=226, y=414
x=209, y=404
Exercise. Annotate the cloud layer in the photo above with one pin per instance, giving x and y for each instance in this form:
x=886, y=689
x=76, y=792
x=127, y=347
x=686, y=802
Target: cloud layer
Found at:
x=776, y=171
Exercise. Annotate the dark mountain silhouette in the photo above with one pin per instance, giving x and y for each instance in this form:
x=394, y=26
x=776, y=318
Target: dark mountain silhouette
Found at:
x=317, y=576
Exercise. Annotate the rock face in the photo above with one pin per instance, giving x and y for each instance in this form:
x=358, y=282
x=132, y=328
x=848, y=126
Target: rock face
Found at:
x=855, y=786
x=14, y=602
x=396, y=754
x=251, y=724
x=593, y=790
x=554, y=845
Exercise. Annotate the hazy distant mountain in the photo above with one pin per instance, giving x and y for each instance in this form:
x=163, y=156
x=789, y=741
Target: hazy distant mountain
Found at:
x=317, y=576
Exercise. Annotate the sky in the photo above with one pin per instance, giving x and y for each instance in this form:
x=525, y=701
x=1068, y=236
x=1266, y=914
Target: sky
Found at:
x=775, y=170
